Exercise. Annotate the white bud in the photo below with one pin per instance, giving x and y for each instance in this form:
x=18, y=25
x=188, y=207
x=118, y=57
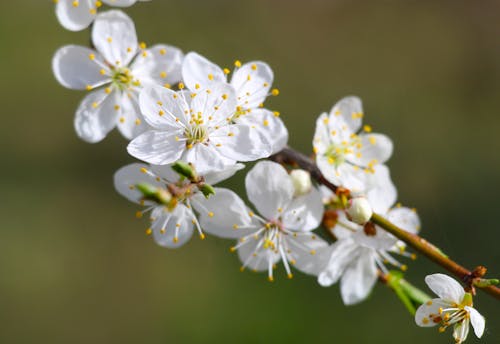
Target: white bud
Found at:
x=301, y=182
x=359, y=210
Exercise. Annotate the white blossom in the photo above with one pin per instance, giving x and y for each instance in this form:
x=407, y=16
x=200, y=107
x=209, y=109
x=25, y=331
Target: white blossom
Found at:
x=252, y=83
x=282, y=231
x=172, y=224
x=194, y=127
x=453, y=307
x=361, y=251
x=348, y=155
x=114, y=73
x=76, y=15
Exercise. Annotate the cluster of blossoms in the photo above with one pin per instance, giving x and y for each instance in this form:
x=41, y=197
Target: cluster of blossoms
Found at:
x=193, y=123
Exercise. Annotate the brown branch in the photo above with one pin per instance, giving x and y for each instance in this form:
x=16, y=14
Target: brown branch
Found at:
x=292, y=157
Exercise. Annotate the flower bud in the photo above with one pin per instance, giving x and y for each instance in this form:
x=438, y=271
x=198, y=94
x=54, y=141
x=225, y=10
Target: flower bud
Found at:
x=359, y=210
x=301, y=182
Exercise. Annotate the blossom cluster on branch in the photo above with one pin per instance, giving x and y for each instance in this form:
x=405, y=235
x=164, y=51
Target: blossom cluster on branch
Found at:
x=193, y=124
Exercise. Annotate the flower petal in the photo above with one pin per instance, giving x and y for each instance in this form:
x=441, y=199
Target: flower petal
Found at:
x=120, y=3
x=161, y=64
x=253, y=256
x=128, y=176
x=380, y=190
x=350, y=111
x=445, y=287
x=375, y=149
x=306, y=261
x=359, y=278
x=252, y=82
x=206, y=158
x=269, y=188
x=270, y=126
x=215, y=177
x=427, y=312
x=157, y=147
x=172, y=229
x=96, y=116
x=321, y=140
x=477, y=321
x=224, y=214
x=240, y=143
x=342, y=252
x=405, y=218
x=163, y=108
x=130, y=121
x=114, y=36
x=78, y=67
x=216, y=104
x=305, y=212
x=199, y=73
x=75, y=18
x=461, y=331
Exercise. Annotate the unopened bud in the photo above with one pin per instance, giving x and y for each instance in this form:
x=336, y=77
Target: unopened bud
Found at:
x=301, y=182
x=185, y=170
x=359, y=210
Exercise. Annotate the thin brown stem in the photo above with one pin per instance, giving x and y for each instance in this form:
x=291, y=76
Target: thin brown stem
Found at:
x=292, y=157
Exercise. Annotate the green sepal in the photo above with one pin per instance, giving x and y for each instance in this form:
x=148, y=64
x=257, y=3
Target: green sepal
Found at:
x=483, y=282
x=206, y=189
x=410, y=296
x=155, y=194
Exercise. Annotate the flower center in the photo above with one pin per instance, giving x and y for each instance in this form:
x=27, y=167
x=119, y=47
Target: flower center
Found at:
x=122, y=78
x=195, y=134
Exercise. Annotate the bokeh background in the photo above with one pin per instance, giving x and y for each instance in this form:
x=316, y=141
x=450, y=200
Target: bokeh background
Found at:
x=75, y=265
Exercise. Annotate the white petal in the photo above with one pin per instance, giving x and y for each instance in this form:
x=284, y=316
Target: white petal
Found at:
x=206, y=158
x=321, y=140
x=348, y=109
x=380, y=241
x=257, y=259
x=215, y=104
x=306, y=262
x=215, y=177
x=128, y=176
x=375, y=149
x=75, y=18
x=114, y=36
x=359, y=278
x=345, y=174
x=405, y=218
x=157, y=147
x=130, y=121
x=271, y=127
x=73, y=67
x=119, y=3
x=305, y=212
x=96, y=116
x=240, y=143
x=161, y=64
x=224, y=215
x=199, y=73
x=252, y=83
x=166, y=172
x=429, y=310
x=269, y=188
x=460, y=331
x=477, y=321
x=163, y=108
x=380, y=190
x=179, y=220
x=342, y=252
x=445, y=287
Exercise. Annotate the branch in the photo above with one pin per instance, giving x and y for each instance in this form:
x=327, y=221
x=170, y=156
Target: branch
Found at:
x=292, y=157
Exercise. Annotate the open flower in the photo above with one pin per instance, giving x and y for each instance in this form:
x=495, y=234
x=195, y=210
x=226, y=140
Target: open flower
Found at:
x=76, y=15
x=453, y=307
x=361, y=250
x=347, y=154
x=283, y=230
x=114, y=72
x=252, y=83
x=194, y=127
x=174, y=219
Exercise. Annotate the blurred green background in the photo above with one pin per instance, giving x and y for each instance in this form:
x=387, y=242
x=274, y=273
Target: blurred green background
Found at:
x=75, y=265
